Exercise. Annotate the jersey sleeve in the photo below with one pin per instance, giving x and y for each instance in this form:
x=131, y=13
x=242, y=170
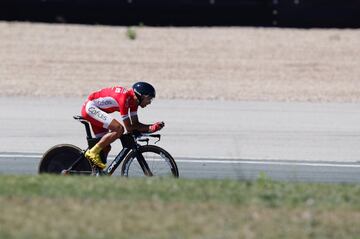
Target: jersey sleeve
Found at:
x=133, y=109
x=127, y=107
x=123, y=106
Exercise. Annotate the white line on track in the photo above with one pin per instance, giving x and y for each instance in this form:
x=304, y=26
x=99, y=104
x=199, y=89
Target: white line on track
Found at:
x=214, y=161
x=19, y=156
x=272, y=163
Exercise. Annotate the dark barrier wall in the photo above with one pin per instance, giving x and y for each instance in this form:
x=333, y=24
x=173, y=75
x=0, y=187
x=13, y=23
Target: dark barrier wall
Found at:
x=133, y=12
x=282, y=13
x=317, y=13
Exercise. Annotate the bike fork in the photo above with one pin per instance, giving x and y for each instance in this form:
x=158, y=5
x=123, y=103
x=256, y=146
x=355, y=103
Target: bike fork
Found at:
x=143, y=164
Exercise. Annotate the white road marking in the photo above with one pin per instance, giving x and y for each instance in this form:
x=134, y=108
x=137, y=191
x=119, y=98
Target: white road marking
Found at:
x=272, y=163
x=215, y=161
x=19, y=156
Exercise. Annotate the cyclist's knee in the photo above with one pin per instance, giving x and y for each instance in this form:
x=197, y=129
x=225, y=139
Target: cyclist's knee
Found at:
x=120, y=130
x=116, y=127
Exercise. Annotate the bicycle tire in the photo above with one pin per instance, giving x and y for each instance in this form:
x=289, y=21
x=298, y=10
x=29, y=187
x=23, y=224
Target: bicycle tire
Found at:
x=61, y=157
x=131, y=168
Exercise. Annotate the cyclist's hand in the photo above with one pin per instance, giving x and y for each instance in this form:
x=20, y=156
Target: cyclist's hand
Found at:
x=156, y=127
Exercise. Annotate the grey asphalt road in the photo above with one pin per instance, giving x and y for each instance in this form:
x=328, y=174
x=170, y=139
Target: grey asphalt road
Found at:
x=200, y=130
x=295, y=171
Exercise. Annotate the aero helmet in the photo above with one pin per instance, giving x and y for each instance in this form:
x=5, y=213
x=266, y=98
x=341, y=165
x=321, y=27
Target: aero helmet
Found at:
x=143, y=88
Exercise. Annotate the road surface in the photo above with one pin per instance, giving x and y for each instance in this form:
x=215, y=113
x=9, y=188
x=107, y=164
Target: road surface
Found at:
x=260, y=132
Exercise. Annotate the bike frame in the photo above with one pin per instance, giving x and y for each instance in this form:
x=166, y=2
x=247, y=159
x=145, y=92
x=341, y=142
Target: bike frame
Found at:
x=129, y=144
x=117, y=161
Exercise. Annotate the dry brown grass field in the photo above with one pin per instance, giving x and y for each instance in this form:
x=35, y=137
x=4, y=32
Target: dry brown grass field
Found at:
x=191, y=63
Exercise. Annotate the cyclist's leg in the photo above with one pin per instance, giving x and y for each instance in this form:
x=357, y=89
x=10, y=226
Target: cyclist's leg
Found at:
x=106, y=151
x=101, y=122
x=99, y=133
x=116, y=130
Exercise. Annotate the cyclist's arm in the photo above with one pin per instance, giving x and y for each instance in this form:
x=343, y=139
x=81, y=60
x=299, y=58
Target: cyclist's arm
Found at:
x=135, y=125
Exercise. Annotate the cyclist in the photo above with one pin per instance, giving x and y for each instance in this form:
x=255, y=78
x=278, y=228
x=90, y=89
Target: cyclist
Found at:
x=99, y=104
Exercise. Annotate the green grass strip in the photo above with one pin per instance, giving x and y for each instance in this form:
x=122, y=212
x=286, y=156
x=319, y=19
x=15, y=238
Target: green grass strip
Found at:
x=88, y=207
x=261, y=192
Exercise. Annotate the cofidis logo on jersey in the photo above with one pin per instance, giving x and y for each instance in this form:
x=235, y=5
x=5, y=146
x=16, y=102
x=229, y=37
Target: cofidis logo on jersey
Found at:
x=102, y=103
x=97, y=113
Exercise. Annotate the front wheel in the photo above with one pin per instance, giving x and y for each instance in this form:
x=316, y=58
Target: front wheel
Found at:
x=159, y=161
x=60, y=157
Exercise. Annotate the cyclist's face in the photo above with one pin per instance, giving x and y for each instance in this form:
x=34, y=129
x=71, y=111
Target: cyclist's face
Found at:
x=146, y=100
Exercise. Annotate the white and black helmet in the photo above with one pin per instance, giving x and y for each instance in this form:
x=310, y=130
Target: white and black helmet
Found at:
x=143, y=88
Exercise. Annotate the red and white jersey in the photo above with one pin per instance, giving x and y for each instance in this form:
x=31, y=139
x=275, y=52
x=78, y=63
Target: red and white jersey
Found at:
x=116, y=98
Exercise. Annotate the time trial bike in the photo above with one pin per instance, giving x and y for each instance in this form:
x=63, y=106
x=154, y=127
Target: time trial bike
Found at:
x=138, y=157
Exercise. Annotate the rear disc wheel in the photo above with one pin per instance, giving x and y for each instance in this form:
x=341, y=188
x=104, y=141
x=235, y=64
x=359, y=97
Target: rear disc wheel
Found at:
x=60, y=157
